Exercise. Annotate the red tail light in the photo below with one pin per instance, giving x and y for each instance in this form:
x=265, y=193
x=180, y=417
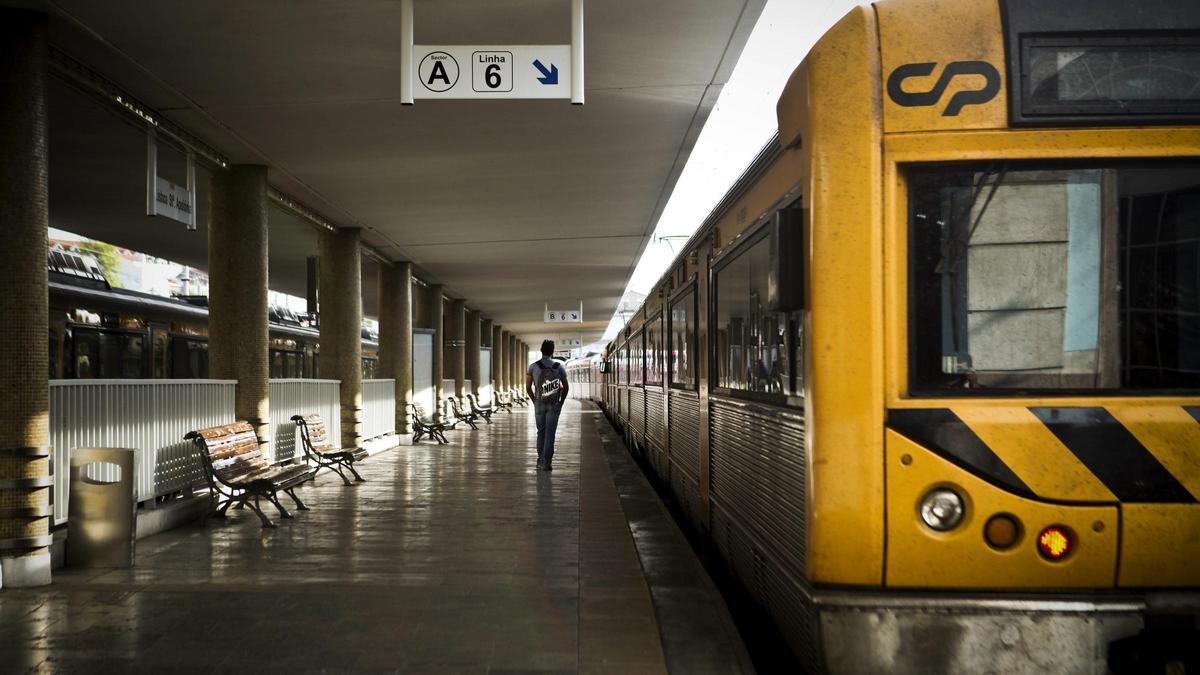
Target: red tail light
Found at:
x=1055, y=543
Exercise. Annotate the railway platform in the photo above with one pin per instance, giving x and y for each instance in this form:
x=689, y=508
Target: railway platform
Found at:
x=449, y=558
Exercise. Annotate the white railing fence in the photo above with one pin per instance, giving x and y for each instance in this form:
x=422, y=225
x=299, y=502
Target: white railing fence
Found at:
x=150, y=416
x=379, y=408
x=302, y=397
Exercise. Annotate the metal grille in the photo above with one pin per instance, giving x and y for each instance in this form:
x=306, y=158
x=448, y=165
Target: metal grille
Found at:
x=758, y=475
x=687, y=492
x=685, y=431
x=302, y=397
x=656, y=418
x=379, y=408
x=150, y=416
x=637, y=412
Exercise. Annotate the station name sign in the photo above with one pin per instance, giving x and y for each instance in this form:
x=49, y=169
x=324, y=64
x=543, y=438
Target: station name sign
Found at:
x=173, y=201
x=499, y=72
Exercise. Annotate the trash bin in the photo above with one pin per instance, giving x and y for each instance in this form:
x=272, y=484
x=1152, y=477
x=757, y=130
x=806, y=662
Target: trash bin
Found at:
x=102, y=508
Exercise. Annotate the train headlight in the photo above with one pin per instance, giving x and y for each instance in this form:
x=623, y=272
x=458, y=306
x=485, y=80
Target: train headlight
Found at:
x=942, y=509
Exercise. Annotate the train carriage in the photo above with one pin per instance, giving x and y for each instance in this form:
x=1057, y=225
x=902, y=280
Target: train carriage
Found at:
x=930, y=373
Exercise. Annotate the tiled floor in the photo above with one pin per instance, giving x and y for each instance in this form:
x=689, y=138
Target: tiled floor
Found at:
x=456, y=558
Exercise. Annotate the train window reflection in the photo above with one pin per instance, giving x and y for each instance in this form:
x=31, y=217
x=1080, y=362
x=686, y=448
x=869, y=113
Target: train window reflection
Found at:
x=635, y=358
x=756, y=347
x=683, y=341
x=1056, y=278
x=654, y=351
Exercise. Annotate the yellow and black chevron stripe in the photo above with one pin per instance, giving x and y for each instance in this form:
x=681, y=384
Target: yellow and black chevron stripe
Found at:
x=1144, y=454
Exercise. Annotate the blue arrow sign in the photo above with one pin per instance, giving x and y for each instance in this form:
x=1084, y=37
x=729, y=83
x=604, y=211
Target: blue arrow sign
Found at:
x=548, y=76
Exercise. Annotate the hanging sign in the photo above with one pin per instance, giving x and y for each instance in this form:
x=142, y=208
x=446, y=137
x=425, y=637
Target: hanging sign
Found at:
x=464, y=71
x=491, y=71
x=563, y=316
x=164, y=198
x=173, y=201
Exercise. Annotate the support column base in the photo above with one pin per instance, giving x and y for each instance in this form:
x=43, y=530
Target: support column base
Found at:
x=25, y=571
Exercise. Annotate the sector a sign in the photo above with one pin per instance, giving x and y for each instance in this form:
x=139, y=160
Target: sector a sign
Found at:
x=491, y=71
x=475, y=72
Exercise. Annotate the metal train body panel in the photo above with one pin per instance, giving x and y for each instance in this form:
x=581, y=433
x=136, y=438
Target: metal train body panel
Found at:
x=813, y=495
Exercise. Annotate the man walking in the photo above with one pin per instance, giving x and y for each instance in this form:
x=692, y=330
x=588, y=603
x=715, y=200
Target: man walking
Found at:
x=546, y=384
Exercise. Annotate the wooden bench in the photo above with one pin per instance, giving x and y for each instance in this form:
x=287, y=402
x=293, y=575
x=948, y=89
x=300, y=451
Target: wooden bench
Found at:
x=482, y=412
x=425, y=426
x=238, y=472
x=516, y=396
x=315, y=441
x=460, y=415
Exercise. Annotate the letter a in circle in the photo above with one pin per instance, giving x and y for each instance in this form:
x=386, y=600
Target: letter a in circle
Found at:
x=438, y=73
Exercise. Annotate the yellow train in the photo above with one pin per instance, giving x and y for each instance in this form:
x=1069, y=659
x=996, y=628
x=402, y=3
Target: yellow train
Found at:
x=928, y=378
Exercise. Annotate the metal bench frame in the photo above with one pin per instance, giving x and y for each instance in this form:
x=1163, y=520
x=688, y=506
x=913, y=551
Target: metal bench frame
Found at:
x=498, y=402
x=481, y=412
x=248, y=489
x=324, y=455
x=456, y=409
x=425, y=426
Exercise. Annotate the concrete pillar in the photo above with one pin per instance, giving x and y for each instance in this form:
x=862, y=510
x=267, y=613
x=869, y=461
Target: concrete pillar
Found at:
x=395, y=334
x=499, y=377
x=506, y=340
x=238, y=342
x=24, y=306
x=341, y=324
x=436, y=319
x=472, y=351
x=456, y=369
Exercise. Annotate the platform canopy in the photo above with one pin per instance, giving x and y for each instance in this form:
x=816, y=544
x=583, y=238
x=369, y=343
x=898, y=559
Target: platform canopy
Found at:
x=510, y=204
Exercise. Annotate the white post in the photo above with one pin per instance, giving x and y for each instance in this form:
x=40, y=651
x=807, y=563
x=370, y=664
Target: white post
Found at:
x=576, y=52
x=191, y=188
x=151, y=169
x=407, y=67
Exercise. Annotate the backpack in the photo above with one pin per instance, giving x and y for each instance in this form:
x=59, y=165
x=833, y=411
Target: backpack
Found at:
x=548, y=384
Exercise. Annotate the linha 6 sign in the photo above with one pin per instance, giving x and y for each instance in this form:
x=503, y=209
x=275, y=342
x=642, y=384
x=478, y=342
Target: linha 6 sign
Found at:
x=473, y=72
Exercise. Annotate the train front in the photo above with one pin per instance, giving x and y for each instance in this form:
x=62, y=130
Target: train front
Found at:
x=1040, y=298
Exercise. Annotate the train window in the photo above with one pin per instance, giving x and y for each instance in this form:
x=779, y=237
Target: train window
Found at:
x=636, y=357
x=756, y=348
x=654, y=351
x=683, y=341
x=1033, y=277
x=87, y=354
x=189, y=358
x=133, y=356
x=53, y=352
x=623, y=365
x=159, y=357
x=277, y=363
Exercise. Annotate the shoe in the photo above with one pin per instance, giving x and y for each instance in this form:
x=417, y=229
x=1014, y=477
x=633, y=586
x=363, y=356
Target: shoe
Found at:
x=547, y=467
x=541, y=466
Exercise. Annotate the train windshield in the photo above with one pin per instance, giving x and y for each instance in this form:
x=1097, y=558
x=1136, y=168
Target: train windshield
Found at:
x=1028, y=277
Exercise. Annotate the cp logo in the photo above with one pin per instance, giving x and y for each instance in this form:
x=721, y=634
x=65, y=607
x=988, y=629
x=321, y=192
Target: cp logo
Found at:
x=991, y=85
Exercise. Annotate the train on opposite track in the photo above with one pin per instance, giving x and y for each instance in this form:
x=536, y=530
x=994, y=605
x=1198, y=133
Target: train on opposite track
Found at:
x=927, y=379
x=99, y=331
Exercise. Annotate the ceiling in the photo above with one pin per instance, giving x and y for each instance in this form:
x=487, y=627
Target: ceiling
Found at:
x=511, y=205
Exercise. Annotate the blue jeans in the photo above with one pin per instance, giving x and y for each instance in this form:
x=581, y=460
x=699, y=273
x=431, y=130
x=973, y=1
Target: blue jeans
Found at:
x=546, y=417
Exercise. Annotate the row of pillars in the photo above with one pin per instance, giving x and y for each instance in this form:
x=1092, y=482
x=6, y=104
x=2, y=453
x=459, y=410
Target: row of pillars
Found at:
x=238, y=309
